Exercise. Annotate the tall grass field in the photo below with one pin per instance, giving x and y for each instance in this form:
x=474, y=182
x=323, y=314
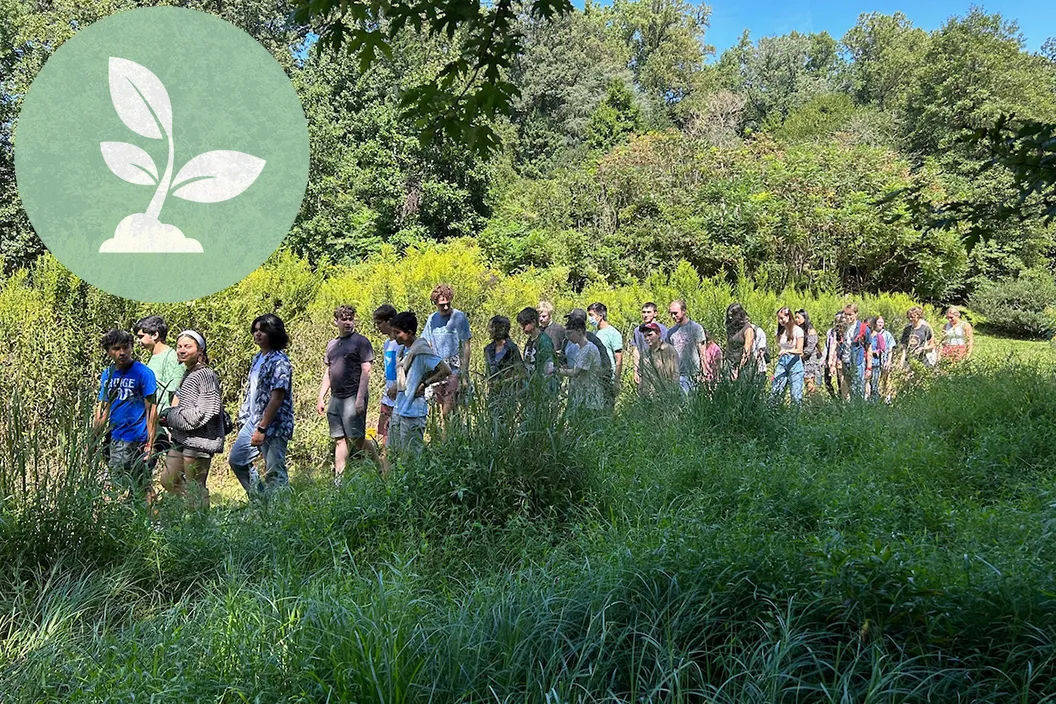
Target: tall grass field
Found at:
x=721, y=549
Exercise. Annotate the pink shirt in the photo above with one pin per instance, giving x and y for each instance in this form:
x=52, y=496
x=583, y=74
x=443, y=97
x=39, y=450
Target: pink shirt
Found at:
x=712, y=360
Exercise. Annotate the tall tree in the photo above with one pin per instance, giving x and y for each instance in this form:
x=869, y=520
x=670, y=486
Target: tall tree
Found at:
x=885, y=52
x=665, y=39
x=462, y=101
x=562, y=76
x=973, y=71
x=779, y=74
x=615, y=119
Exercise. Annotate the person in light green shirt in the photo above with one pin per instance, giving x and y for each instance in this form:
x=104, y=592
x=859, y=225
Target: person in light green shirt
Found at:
x=167, y=369
x=613, y=341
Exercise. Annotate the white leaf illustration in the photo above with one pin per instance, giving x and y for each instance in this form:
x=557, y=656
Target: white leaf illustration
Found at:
x=130, y=163
x=217, y=176
x=140, y=99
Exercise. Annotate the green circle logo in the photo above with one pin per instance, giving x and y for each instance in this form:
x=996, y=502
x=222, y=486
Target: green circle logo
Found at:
x=161, y=154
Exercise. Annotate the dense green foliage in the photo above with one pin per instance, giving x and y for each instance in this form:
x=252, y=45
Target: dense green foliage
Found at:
x=1023, y=306
x=624, y=150
x=734, y=551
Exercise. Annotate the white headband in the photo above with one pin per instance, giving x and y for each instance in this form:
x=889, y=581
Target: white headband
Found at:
x=194, y=336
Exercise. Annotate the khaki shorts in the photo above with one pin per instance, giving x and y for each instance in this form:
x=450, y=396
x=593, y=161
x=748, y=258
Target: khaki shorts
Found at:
x=343, y=420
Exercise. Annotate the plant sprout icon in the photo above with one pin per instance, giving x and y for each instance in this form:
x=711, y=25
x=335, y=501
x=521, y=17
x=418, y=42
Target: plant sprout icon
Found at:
x=142, y=103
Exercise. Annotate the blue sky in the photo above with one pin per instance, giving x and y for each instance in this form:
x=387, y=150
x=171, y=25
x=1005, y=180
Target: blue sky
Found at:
x=1036, y=18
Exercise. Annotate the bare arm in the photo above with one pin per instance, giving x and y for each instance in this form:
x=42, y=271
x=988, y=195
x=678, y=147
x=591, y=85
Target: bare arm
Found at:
x=324, y=387
x=277, y=396
x=152, y=422
x=749, y=346
x=969, y=338
x=364, y=384
x=102, y=414
x=441, y=372
x=467, y=348
x=619, y=363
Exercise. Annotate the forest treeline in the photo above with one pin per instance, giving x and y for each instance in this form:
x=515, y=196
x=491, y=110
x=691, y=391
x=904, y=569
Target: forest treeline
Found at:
x=632, y=147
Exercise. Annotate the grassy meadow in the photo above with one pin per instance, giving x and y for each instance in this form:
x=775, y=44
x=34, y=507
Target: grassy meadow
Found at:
x=724, y=550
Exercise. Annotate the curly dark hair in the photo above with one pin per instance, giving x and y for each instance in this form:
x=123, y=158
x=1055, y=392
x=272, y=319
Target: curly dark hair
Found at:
x=528, y=315
x=499, y=328
x=444, y=290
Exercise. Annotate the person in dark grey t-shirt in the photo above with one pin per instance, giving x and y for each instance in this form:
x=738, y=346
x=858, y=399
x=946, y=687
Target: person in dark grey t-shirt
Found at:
x=346, y=375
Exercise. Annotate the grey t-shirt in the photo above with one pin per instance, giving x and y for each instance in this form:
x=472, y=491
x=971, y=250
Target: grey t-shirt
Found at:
x=344, y=360
x=686, y=339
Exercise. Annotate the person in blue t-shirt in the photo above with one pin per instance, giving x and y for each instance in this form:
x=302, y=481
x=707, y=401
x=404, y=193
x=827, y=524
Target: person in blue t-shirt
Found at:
x=417, y=366
x=382, y=317
x=447, y=331
x=128, y=410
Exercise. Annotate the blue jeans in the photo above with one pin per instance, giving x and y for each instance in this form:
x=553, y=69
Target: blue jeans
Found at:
x=243, y=455
x=789, y=367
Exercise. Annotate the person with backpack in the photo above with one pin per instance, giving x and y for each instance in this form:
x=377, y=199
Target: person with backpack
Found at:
x=790, y=338
x=127, y=409
x=740, y=339
x=195, y=420
x=857, y=358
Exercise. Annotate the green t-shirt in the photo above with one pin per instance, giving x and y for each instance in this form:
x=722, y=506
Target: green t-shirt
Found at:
x=613, y=341
x=168, y=372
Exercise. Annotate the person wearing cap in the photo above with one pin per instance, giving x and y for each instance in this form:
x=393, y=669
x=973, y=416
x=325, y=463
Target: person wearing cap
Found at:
x=638, y=341
x=587, y=387
x=195, y=421
x=658, y=365
x=687, y=337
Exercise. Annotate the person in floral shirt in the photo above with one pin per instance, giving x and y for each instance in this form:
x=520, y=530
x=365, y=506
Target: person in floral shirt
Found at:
x=266, y=415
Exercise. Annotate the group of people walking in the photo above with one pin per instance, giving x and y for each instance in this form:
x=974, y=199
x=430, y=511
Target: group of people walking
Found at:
x=169, y=412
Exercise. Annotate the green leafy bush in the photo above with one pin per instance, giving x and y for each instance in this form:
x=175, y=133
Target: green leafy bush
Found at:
x=1023, y=306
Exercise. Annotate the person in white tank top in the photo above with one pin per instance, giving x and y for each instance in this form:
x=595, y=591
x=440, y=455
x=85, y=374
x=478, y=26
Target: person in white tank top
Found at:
x=957, y=336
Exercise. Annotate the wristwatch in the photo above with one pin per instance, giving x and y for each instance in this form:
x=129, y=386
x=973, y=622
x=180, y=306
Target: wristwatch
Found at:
x=261, y=430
